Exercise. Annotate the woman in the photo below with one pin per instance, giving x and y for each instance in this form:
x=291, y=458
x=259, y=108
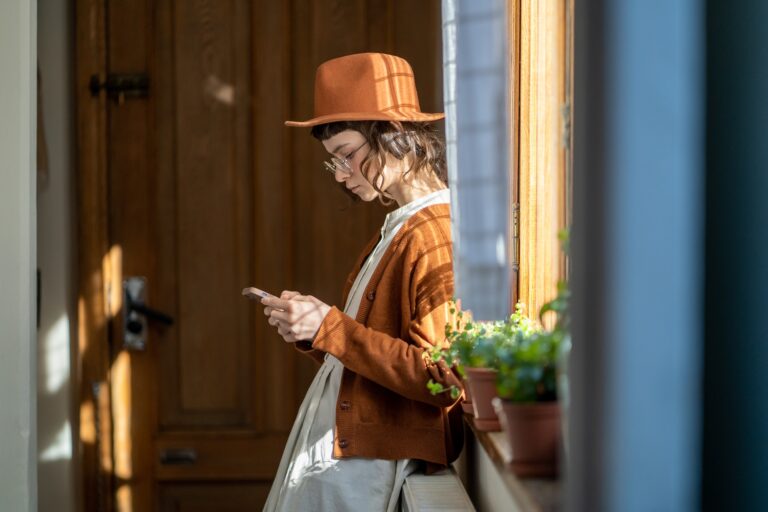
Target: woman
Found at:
x=368, y=419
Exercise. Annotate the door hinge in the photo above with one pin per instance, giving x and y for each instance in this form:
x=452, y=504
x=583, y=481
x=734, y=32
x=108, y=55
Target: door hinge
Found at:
x=515, y=237
x=565, y=133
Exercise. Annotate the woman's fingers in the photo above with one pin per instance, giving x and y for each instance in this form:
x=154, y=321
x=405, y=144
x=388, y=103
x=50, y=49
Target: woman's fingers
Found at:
x=276, y=303
x=284, y=329
x=308, y=298
x=440, y=372
x=449, y=375
x=286, y=333
x=297, y=316
x=434, y=371
x=283, y=316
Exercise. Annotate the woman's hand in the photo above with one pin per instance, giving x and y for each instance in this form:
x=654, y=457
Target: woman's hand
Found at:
x=297, y=317
x=441, y=373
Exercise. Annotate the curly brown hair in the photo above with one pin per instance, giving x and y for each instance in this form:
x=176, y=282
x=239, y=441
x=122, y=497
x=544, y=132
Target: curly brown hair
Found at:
x=420, y=141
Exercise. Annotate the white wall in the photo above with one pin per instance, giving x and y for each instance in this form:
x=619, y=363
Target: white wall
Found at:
x=56, y=241
x=18, y=471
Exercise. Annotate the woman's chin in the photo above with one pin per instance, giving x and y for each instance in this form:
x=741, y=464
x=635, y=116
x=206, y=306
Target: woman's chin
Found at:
x=366, y=195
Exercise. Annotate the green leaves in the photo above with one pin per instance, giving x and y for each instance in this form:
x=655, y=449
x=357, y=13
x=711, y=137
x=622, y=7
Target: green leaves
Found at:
x=527, y=368
x=436, y=388
x=525, y=356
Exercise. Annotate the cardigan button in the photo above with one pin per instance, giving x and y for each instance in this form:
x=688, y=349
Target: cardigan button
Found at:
x=343, y=443
x=371, y=295
x=345, y=405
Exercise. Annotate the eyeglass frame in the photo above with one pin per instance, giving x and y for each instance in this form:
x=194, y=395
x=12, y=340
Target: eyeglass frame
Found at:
x=342, y=165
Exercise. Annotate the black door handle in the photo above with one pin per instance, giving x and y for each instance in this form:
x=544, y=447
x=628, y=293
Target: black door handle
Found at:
x=137, y=315
x=151, y=314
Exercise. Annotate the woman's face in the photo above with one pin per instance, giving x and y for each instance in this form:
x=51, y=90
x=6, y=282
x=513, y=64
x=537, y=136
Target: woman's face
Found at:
x=351, y=145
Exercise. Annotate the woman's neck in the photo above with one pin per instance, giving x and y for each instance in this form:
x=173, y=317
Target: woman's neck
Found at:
x=414, y=187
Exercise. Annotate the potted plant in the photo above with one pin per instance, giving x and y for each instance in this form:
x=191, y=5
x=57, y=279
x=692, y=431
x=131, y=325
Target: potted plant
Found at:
x=461, y=338
x=481, y=381
x=527, y=386
x=473, y=349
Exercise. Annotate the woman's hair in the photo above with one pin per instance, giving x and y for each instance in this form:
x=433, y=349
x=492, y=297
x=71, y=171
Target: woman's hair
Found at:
x=420, y=141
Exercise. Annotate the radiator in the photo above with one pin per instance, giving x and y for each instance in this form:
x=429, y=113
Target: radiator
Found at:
x=441, y=492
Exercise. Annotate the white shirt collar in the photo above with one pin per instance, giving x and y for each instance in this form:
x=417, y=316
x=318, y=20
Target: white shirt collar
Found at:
x=396, y=217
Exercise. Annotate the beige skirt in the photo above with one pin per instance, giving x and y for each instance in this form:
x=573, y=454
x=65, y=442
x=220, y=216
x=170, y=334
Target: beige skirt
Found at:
x=309, y=478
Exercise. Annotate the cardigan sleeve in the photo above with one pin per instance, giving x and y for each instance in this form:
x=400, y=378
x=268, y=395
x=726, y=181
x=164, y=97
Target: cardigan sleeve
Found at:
x=305, y=347
x=395, y=363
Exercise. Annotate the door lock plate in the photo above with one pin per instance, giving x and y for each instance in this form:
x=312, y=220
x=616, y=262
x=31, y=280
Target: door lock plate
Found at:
x=134, y=323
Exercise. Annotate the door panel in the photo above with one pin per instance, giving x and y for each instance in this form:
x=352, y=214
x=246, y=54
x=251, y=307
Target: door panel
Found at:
x=213, y=497
x=204, y=184
x=237, y=456
x=207, y=193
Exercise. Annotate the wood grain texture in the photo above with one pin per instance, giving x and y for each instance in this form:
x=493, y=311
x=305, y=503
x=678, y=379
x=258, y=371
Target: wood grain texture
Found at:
x=274, y=245
x=229, y=456
x=542, y=158
x=212, y=497
x=92, y=359
x=128, y=172
x=212, y=223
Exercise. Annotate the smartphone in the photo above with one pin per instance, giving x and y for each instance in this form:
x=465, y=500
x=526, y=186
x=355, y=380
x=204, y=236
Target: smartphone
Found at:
x=255, y=293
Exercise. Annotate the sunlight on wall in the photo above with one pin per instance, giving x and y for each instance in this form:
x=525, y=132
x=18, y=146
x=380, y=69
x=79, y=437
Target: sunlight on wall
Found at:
x=123, y=469
x=124, y=498
x=121, y=387
x=61, y=447
x=81, y=315
x=55, y=352
x=112, y=265
x=87, y=428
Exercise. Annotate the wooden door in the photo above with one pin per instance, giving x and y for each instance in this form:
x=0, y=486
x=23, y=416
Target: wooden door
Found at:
x=201, y=190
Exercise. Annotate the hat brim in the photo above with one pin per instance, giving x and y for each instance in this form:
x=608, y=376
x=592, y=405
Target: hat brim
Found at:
x=414, y=117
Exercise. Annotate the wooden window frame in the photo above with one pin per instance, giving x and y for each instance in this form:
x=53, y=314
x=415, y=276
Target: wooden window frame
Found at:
x=540, y=77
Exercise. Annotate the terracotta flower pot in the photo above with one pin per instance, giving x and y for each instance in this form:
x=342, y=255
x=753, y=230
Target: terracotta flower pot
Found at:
x=466, y=405
x=533, y=431
x=482, y=385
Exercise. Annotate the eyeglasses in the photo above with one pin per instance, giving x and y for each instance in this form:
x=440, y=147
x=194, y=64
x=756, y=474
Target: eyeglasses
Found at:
x=342, y=165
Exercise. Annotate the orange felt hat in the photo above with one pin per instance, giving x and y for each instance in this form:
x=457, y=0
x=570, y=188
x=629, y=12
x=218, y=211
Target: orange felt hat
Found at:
x=366, y=87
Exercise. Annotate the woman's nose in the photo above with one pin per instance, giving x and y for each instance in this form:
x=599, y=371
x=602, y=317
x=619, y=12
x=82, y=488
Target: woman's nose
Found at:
x=340, y=176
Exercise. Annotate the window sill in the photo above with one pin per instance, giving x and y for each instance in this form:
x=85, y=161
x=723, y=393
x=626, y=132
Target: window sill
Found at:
x=531, y=494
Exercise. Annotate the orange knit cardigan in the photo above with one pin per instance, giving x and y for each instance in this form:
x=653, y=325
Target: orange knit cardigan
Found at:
x=384, y=409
